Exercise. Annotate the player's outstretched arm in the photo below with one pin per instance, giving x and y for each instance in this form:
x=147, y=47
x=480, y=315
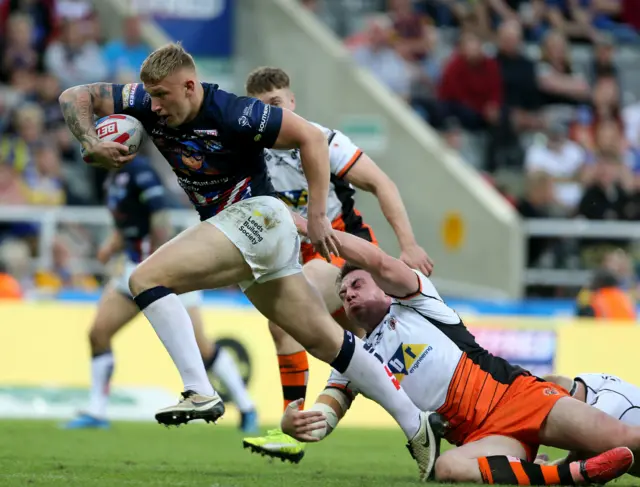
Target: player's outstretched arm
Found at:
x=367, y=176
x=79, y=104
x=296, y=132
x=320, y=420
x=392, y=275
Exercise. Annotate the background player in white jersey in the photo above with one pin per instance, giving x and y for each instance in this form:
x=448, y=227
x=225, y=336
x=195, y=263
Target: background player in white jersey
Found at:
x=138, y=204
x=215, y=141
x=496, y=413
x=350, y=167
x=609, y=394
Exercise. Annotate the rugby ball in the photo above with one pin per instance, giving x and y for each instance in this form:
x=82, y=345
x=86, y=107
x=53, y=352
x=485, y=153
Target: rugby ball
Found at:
x=123, y=129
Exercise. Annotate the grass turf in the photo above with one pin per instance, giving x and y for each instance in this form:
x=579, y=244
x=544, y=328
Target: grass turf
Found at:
x=38, y=453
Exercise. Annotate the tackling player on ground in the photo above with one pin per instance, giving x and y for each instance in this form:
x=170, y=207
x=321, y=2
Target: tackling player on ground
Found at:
x=349, y=167
x=137, y=201
x=215, y=141
x=496, y=413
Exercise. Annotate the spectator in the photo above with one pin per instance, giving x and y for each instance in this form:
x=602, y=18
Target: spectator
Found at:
x=381, y=59
x=605, y=108
x=18, y=150
x=608, y=16
x=538, y=202
x=12, y=190
x=73, y=60
x=43, y=179
x=471, y=86
x=48, y=90
x=411, y=31
x=124, y=57
x=15, y=261
x=563, y=160
x=41, y=13
x=556, y=80
x=605, y=198
x=9, y=286
x=603, y=65
x=606, y=299
x=518, y=77
x=571, y=17
x=18, y=51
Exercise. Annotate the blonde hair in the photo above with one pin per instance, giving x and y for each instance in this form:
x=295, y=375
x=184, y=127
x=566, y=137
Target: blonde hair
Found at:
x=165, y=61
x=29, y=112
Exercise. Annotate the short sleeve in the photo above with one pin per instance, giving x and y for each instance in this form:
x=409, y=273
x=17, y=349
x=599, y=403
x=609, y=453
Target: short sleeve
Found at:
x=339, y=381
x=343, y=153
x=250, y=121
x=428, y=302
x=131, y=99
x=151, y=189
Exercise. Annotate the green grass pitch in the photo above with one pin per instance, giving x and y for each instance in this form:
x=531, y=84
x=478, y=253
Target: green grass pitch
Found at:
x=38, y=453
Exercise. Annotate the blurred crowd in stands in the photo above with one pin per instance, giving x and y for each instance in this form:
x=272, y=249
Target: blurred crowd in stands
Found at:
x=541, y=95
x=47, y=46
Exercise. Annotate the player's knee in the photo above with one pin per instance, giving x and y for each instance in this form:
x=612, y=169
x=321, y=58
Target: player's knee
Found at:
x=450, y=467
x=142, y=278
x=444, y=468
x=99, y=338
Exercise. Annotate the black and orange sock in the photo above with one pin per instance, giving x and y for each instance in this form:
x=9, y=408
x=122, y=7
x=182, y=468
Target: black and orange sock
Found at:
x=503, y=470
x=294, y=374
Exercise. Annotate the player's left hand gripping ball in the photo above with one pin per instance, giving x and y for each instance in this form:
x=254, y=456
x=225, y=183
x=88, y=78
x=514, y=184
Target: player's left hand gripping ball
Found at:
x=120, y=138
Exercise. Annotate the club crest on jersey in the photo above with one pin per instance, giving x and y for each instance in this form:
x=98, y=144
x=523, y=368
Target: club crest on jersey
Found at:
x=295, y=198
x=392, y=323
x=129, y=94
x=407, y=359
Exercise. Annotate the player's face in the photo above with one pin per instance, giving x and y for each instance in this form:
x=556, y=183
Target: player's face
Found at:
x=282, y=98
x=363, y=301
x=172, y=98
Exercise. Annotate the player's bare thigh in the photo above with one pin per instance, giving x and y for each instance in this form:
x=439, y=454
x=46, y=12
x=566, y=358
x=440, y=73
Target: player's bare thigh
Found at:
x=321, y=275
x=114, y=311
x=297, y=307
x=201, y=257
x=574, y=425
x=461, y=464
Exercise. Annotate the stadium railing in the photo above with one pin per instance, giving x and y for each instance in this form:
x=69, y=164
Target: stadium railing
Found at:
x=48, y=219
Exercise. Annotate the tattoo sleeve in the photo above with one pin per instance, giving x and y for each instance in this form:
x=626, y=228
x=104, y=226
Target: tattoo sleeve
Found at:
x=80, y=103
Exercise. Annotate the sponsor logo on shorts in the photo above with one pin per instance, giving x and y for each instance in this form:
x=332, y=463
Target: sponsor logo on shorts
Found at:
x=550, y=391
x=243, y=121
x=252, y=230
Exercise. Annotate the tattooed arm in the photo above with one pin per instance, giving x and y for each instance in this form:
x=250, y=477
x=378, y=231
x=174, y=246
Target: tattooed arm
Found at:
x=79, y=104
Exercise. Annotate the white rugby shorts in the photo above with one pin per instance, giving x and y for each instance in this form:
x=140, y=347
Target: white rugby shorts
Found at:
x=264, y=231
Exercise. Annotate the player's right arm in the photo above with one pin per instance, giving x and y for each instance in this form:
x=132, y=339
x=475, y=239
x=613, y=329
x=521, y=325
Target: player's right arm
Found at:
x=323, y=417
x=79, y=104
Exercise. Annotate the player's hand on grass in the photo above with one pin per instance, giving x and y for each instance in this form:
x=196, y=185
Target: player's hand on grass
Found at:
x=416, y=258
x=107, y=154
x=299, y=424
x=322, y=236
